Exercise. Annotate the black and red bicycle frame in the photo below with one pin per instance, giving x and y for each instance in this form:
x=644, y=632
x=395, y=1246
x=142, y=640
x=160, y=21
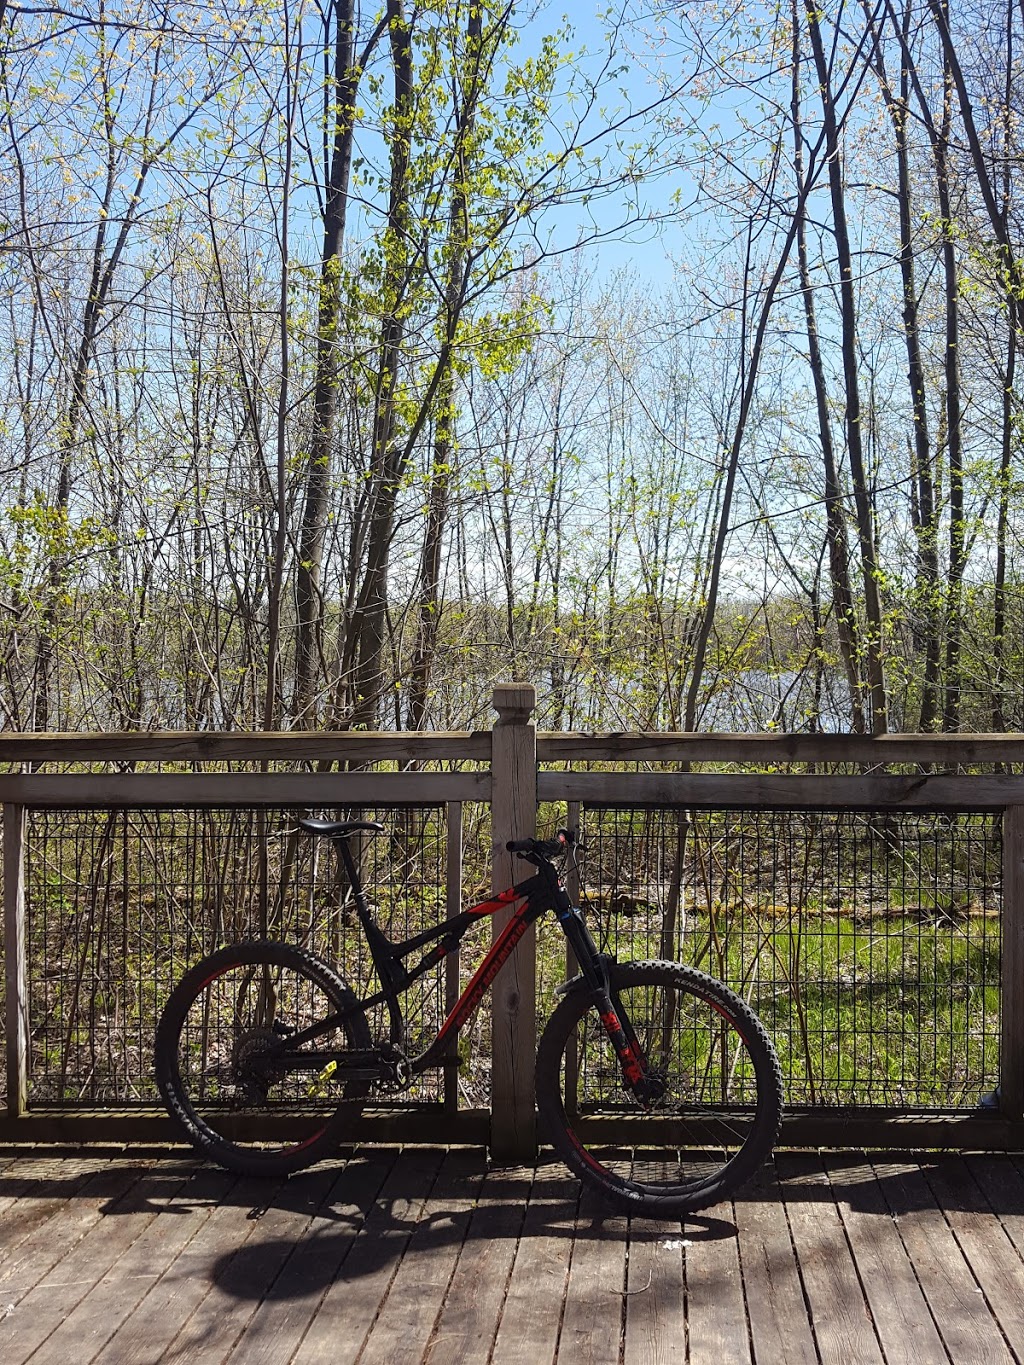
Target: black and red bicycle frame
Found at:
x=534, y=897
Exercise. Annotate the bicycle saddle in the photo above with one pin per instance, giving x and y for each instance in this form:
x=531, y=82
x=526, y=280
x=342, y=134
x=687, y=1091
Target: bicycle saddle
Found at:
x=340, y=829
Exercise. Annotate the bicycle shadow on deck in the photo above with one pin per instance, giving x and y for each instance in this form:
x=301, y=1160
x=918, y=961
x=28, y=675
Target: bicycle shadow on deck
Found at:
x=336, y=1205
x=344, y=1243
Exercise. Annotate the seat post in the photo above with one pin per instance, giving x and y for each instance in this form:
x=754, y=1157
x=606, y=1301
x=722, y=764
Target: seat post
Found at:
x=352, y=872
x=393, y=975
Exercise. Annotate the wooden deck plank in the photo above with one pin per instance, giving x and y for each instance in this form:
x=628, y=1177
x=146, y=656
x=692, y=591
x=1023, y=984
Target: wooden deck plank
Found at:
x=13, y=1183
x=1003, y=1186
x=422, y=1256
x=36, y=1191
x=992, y=1257
x=38, y=1311
x=238, y=1278
x=898, y=1306
x=405, y=1325
x=215, y=1207
x=968, y=1329
x=592, y=1323
x=655, y=1331
x=45, y=1181
x=531, y=1316
x=777, y=1313
x=840, y=1317
x=49, y=1241
x=118, y=1293
x=283, y=1317
x=716, y=1316
x=353, y=1299
x=468, y=1323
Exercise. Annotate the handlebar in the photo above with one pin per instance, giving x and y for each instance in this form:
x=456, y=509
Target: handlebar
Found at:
x=545, y=848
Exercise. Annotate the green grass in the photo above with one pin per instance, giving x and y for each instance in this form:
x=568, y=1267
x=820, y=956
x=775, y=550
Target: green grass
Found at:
x=877, y=1011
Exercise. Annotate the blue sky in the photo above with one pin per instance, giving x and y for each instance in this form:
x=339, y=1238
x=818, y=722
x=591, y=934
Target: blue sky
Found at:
x=644, y=247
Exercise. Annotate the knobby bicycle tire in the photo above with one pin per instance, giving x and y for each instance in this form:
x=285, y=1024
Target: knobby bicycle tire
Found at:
x=225, y=1012
x=721, y=1109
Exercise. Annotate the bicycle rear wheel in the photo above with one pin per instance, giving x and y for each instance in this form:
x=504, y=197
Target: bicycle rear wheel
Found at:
x=720, y=1104
x=220, y=1024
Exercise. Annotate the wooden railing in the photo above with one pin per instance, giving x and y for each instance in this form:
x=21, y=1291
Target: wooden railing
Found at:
x=513, y=769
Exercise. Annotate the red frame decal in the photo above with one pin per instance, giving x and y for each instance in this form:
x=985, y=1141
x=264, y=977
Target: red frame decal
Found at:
x=499, y=953
x=496, y=903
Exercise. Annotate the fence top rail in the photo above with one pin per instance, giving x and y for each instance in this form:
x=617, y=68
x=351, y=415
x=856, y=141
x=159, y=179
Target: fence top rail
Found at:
x=771, y=748
x=786, y=791
x=74, y=791
x=475, y=745
x=217, y=746
x=727, y=791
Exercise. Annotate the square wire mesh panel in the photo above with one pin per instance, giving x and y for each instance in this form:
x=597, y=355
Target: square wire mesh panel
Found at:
x=121, y=902
x=868, y=943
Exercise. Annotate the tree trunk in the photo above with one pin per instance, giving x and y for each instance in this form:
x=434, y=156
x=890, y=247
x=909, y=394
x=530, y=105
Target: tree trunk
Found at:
x=428, y=607
x=854, y=433
x=924, y=502
x=366, y=630
x=309, y=606
x=954, y=437
x=835, y=512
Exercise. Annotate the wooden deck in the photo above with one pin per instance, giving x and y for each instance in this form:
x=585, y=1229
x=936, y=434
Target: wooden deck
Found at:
x=427, y=1255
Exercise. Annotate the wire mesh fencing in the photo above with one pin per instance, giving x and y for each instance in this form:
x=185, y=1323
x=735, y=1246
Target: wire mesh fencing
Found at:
x=868, y=943
x=120, y=903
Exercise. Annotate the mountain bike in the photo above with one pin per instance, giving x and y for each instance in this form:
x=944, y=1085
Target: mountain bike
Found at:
x=656, y=1084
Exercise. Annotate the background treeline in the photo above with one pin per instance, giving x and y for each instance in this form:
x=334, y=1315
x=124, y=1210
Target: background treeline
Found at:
x=317, y=410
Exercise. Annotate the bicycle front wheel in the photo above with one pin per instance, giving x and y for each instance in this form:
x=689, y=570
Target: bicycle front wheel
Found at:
x=221, y=1030
x=716, y=1091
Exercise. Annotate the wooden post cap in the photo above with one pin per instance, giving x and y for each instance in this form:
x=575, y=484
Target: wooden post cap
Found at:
x=514, y=702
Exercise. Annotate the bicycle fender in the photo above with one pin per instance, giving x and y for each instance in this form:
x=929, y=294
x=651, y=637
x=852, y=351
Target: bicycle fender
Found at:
x=604, y=963
x=572, y=986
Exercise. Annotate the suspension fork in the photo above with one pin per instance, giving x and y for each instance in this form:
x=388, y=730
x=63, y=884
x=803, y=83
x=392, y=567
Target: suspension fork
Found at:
x=594, y=967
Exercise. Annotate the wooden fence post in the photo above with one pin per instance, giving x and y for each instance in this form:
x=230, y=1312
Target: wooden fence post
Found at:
x=16, y=1020
x=1011, y=1056
x=452, y=963
x=514, y=994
